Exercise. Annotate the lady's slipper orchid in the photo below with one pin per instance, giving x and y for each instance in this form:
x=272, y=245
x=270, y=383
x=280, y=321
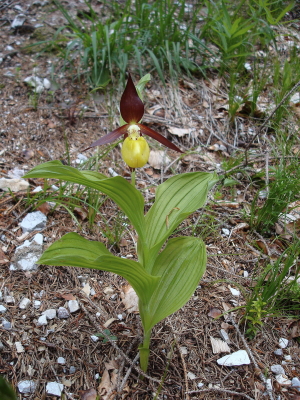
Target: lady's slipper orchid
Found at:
x=135, y=149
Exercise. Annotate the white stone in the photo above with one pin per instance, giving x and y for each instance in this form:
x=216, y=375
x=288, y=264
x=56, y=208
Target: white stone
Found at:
x=62, y=313
x=27, y=254
x=240, y=357
x=15, y=185
x=38, y=238
x=73, y=306
x=277, y=369
x=24, y=303
x=269, y=386
x=288, y=357
x=27, y=387
x=37, y=189
x=54, y=389
x=234, y=292
x=283, y=380
x=2, y=309
x=42, y=320
x=200, y=385
x=46, y=83
x=19, y=347
x=225, y=231
x=37, y=304
x=33, y=221
x=283, y=343
x=120, y=317
x=94, y=338
x=18, y=20
x=191, y=376
x=50, y=313
x=278, y=352
x=61, y=360
x=296, y=383
x=6, y=324
x=72, y=369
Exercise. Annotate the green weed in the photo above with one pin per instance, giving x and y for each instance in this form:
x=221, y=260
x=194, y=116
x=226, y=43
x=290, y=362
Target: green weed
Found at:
x=283, y=189
x=276, y=291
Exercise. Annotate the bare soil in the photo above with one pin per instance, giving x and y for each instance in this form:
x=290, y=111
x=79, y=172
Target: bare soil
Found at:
x=59, y=125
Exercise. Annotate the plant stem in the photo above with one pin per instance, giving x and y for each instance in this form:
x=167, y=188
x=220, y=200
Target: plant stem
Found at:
x=133, y=177
x=145, y=351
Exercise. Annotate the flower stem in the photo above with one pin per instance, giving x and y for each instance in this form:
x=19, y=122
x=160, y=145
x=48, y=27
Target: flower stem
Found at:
x=145, y=351
x=133, y=177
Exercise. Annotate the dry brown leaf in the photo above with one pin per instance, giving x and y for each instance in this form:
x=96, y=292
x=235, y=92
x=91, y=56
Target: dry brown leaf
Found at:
x=219, y=346
x=89, y=394
x=107, y=384
x=214, y=313
x=81, y=213
x=158, y=159
x=67, y=296
x=295, y=329
x=130, y=299
x=111, y=364
x=44, y=208
x=109, y=322
x=3, y=258
x=179, y=131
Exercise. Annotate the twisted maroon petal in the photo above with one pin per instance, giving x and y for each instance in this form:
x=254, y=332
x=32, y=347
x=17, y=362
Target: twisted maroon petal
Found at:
x=110, y=137
x=157, y=136
x=131, y=106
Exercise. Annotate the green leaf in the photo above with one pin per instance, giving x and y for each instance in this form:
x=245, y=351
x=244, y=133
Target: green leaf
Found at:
x=118, y=189
x=181, y=265
x=176, y=199
x=74, y=250
x=6, y=391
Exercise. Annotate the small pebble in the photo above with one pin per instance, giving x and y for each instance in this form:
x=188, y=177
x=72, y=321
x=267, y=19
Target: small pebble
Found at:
x=27, y=387
x=94, y=338
x=296, y=383
x=278, y=352
x=72, y=369
x=6, y=324
x=283, y=380
x=2, y=309
x=63, y=313
x=288, y=357
x=73, y=306
x=225, y=231
x=42, y=320
x=120, y=317
x=24, y=303
x=277, y=369
x=61, y=360
x=50, y=313
x=234, y=292
x=9, y=299
x=54, y=389
x=37, y=304
x=283, y=343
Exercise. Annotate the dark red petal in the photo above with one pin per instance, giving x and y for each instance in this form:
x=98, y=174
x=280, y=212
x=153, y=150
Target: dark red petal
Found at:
x=110, y=137
x=157, y=136
x=131, y=106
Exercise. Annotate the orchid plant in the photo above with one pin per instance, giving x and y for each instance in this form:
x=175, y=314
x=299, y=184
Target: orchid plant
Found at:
x=165, y=275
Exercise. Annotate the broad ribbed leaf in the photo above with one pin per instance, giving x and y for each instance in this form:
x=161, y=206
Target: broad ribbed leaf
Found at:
x=175, y=199
x=181, y=265
x=118, y=189
x=74, y=250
